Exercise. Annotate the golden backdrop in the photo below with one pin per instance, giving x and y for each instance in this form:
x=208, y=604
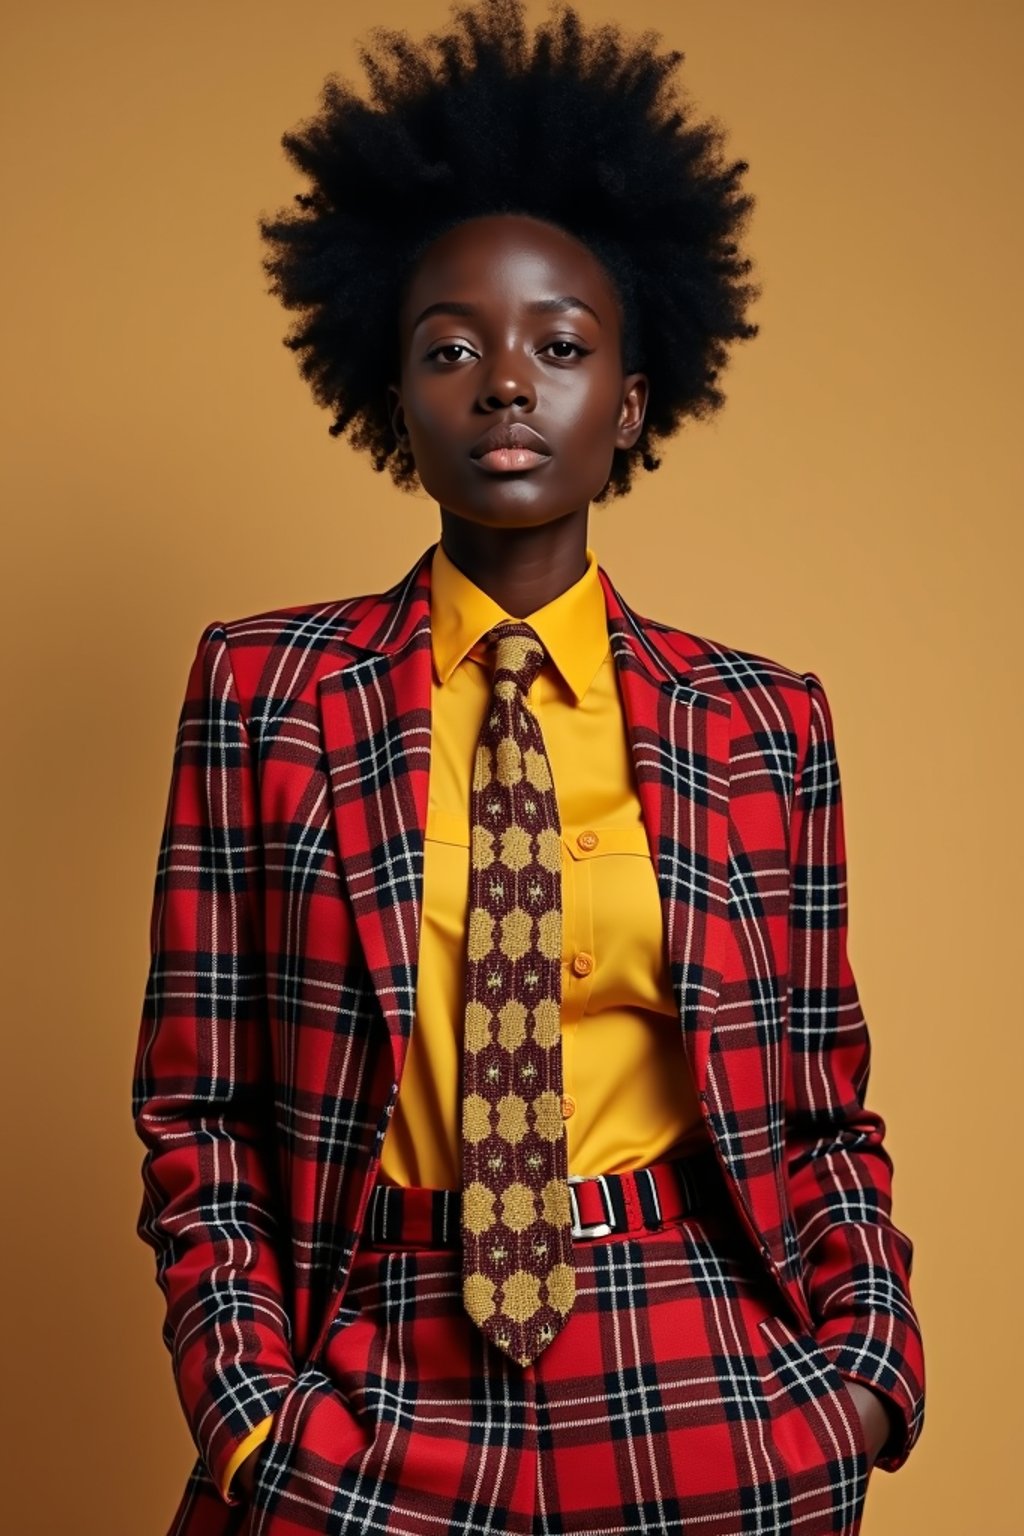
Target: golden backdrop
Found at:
x=854, y=510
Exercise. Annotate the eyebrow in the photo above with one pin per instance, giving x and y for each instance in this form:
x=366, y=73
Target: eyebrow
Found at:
x=538, y=307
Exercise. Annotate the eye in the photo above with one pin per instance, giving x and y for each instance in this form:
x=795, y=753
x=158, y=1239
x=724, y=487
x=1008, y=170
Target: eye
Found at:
x=460, y=346
x=574, y=346
x=448, y=346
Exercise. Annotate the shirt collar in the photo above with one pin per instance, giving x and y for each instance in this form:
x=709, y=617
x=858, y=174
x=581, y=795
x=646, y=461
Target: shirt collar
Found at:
x=573, y=627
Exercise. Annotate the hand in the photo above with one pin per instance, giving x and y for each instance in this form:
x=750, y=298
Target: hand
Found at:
x=245, y=1474
x=874, y=1417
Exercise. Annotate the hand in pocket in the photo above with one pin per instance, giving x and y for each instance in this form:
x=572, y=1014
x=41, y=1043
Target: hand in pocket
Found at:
x=874, y=1417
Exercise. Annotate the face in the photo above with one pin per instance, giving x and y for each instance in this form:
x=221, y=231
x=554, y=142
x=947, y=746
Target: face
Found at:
x=510, y=321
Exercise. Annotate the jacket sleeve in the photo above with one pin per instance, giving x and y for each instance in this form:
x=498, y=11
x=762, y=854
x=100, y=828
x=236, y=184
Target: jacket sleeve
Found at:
x=202, y=1089
x=856, y=1262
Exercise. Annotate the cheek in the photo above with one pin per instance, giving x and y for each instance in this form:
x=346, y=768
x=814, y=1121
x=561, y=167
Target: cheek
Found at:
x=594, y=414
x=430, y=439
x=424, y=413
x=590, y=445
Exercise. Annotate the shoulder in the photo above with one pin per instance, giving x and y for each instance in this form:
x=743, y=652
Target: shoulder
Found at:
x=735, y=673
x=781, y=719
x=743, y=679
x=279, y=653
x=778, y=711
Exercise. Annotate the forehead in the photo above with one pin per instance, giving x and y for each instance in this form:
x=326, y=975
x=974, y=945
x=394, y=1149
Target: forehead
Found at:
x=498, y=258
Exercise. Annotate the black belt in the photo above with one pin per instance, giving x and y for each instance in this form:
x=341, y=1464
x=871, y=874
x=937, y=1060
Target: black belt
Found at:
x=601, y=1205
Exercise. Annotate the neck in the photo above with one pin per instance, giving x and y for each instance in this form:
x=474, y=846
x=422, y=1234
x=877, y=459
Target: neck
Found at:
x=520, y=568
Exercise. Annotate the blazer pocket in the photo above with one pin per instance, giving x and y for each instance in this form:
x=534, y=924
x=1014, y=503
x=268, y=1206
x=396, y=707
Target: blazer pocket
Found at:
x=811, y=1378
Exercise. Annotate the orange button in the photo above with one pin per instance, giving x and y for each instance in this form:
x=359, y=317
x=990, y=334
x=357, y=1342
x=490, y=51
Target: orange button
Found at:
x=568, y=1105
x=583, y=964
x=588, y=841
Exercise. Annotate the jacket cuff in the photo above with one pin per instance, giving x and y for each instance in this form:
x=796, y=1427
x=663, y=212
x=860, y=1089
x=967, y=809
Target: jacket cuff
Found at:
x=252, y=1406
x=885, y=1354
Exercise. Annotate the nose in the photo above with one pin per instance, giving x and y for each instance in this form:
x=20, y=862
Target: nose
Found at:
x=506, y=381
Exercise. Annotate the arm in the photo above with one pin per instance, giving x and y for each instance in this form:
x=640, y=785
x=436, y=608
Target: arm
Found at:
x=856, y=1262
x=202, y=1085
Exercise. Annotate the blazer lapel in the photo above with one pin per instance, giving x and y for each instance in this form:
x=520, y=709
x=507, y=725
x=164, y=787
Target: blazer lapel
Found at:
x=375, y=718
x=680, y=741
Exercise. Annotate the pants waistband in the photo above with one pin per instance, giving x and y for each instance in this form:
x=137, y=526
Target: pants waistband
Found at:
x=642, y=1199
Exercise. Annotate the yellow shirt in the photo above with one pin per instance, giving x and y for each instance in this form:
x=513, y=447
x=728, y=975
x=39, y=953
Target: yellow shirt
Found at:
x=629, y=1098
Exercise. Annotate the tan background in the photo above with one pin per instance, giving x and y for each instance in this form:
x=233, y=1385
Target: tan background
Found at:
x=854, y=510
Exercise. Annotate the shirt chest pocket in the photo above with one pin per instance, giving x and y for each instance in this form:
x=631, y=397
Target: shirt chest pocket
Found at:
x=613, y=953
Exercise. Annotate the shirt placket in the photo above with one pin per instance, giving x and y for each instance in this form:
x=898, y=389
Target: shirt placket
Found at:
x=579, y=963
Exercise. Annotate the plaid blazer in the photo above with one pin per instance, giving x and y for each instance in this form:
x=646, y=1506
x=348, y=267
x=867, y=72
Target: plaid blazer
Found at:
x=282, y=985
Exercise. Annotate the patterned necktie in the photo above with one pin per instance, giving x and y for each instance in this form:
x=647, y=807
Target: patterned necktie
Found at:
x=518, y=1269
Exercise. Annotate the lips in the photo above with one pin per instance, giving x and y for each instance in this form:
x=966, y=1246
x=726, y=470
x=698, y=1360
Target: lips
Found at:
x=510, y=435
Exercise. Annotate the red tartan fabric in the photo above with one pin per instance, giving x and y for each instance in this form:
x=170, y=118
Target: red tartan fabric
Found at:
x=281, y=991
x=676, y=1397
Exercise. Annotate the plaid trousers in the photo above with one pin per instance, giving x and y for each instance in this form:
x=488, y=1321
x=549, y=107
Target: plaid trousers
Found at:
x=676, y=1398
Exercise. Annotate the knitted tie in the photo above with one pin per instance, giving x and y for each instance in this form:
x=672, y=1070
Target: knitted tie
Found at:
x=518, y=1269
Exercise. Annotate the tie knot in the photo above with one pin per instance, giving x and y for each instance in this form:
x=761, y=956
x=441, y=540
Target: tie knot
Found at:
x=519, y=655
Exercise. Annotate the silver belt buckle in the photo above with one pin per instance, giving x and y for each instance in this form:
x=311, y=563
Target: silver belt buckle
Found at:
x=599, y=1228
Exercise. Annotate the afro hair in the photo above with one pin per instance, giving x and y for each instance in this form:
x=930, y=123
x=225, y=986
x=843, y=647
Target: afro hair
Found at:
x=582, y=129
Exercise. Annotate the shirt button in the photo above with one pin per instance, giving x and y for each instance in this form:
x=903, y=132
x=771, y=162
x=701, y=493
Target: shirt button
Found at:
x=583, y=964
x=568, y=1105
x=588, y=841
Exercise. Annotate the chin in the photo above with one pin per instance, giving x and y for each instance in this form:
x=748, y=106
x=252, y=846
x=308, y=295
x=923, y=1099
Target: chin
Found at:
x=515, y=501
x=511, y=516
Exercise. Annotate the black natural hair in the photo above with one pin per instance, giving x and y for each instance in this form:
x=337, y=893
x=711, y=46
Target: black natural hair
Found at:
x=583, y=129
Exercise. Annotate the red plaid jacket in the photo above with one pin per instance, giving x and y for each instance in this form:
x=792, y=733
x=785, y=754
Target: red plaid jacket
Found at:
x=282, y=986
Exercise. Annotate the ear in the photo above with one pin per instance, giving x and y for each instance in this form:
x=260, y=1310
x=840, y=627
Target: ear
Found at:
x=397, y=414
x=635, y=393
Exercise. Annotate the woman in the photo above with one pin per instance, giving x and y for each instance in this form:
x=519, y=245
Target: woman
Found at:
x=502, y=1070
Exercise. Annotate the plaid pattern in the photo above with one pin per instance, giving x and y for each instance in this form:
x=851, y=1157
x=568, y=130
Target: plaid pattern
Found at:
x=673, y=1399
x=281, y=990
